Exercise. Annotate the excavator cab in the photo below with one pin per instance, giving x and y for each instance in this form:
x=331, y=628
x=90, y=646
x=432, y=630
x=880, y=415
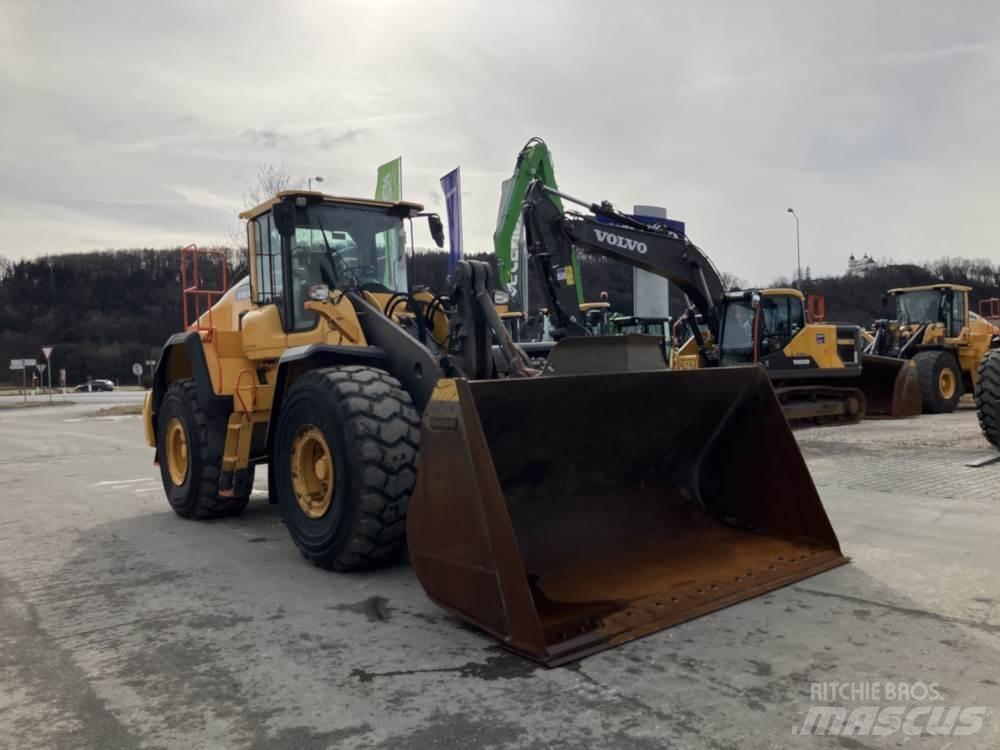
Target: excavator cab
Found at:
x=756, y=325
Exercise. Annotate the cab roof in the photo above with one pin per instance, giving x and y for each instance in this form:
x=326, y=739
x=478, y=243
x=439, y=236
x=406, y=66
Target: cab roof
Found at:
x=930, y=288
x=772, y=292
x=406, y=207
x=782, y=291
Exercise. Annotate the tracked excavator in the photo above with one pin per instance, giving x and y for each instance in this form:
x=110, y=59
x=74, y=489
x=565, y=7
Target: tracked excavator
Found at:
x=640, y=498
x=816, y=368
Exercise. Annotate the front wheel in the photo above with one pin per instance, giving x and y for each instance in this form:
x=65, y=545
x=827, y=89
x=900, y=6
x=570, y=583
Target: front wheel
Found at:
x=988, y=396
x=344, y=464
x=940, y=381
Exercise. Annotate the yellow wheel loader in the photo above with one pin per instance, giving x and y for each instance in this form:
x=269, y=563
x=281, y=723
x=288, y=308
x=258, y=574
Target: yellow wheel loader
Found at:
x=639, y=497
x=935, y=329
x=987, y=391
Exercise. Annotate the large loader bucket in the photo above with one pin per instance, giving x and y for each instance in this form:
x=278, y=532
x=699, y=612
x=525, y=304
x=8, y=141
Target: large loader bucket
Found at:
x=890, y=386
x=567, y=514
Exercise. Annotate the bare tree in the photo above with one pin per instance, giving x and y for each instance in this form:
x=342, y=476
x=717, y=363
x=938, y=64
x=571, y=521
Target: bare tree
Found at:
x=270, y=180
x=731, y=281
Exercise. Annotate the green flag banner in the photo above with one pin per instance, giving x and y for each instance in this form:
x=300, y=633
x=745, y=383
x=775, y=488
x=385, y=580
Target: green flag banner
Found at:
x=389, y=187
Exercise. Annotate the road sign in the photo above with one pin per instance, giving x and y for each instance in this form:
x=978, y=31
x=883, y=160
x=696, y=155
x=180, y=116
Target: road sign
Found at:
x=17, y=364
x=47, y=351
x=30, y=362
x=41, y=368
x=137, y=369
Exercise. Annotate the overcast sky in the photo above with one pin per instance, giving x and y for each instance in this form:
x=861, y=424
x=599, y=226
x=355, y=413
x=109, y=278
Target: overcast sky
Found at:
x=142, y=124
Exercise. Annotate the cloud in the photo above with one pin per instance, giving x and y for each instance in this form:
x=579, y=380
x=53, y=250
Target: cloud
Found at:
x=266, y=139
x=204, y=198
x=328, y=140
x=875, y=120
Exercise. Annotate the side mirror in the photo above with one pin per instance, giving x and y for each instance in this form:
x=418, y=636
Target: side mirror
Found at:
x=437, y=229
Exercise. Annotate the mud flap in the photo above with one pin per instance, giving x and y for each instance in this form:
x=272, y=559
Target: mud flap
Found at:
x=568, y=514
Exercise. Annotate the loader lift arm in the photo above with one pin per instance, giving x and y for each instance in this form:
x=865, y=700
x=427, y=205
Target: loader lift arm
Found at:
x=553, y=233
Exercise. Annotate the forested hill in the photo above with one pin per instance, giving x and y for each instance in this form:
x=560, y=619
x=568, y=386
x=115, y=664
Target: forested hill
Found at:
x=102, y=311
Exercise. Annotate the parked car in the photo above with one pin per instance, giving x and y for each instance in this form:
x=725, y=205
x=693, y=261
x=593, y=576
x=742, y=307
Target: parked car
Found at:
x=95, y=385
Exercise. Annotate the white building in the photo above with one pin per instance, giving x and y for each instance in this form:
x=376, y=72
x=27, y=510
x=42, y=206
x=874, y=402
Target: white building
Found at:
x=861, y=266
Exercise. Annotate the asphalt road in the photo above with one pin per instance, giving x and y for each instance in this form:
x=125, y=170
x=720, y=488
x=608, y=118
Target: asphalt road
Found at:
x=96, y=397
x=123, y=626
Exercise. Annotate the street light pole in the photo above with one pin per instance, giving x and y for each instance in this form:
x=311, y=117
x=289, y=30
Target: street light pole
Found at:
x=798, y=248
x=317, y=178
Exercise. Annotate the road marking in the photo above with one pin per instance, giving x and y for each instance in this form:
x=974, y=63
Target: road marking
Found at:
x=123, y=481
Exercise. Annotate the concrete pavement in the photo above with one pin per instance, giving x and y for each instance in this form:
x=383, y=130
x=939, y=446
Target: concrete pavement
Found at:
x=123, y=626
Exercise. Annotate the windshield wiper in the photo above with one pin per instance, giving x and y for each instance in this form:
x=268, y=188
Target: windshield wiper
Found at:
x=341, y=267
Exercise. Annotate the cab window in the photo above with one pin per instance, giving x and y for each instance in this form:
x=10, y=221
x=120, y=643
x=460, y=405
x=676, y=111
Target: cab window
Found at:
x=737, y=333
x=953, y=312
x=267, y=253
x=340, y=247
x=782, y=320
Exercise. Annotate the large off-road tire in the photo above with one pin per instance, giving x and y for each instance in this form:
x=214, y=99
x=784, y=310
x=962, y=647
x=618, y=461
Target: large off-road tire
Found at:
x=940, y=381
x=988, y=396
x=344, y=464
x=189, y=452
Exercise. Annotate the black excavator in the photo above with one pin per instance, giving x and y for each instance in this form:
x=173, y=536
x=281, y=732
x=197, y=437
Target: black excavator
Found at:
x=817, y=369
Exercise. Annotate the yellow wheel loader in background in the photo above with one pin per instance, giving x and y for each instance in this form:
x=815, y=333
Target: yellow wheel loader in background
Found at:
x=987, y=393
x=935, y=329
x=562, y=513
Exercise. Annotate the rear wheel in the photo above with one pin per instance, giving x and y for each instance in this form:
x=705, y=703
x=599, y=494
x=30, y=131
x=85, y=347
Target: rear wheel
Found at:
x=190, y=456
x=940, y=381
x=988, y=396
x=344, y=463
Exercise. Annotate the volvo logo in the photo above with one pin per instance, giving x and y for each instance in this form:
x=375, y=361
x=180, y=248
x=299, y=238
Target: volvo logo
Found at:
x=619, y=241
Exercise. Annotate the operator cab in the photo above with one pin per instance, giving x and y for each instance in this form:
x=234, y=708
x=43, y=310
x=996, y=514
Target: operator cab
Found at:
x=939, y=303
x=782, y=316
x=305, y=246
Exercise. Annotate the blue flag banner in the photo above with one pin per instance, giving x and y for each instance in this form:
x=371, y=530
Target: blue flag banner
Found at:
x=451, y=184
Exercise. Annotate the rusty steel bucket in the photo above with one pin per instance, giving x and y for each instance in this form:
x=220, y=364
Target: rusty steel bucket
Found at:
x=890, y=386
x=568, y=514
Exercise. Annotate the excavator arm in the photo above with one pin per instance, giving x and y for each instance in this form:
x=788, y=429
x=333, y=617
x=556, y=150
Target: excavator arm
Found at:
x=553, y=233
x=534, y=163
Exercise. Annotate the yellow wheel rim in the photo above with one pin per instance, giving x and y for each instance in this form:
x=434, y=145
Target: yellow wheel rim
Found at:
x=313, y=471
x=946, y=383
x=177, y=452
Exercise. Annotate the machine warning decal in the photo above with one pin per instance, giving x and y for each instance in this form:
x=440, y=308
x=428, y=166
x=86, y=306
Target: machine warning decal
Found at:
x=820, y=338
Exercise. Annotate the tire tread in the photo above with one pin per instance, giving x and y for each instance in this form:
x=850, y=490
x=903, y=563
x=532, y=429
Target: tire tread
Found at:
x=383, y=429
